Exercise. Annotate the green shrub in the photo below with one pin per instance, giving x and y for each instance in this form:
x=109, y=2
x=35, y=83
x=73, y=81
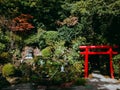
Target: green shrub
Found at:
x=3, y=82
x=78, y=67
x=35, y=78
x=5, y=57
x=69, y=33
x=59, y=51
x=57, y=80
x=25, y=69
x=116, y=65
x=26, y=72
x=51, y=37
x=2, y=47
x=46, y=52
x=80, y=81
x=8, y=70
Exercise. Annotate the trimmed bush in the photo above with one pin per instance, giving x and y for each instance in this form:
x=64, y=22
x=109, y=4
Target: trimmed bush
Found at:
x=8, y=70
x=46, y=52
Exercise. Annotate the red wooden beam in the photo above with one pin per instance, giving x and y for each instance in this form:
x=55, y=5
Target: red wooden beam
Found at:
x=100, y=47
x=94, y=53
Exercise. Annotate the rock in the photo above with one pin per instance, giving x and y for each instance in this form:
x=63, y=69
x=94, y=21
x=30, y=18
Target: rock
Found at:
x=13, y=80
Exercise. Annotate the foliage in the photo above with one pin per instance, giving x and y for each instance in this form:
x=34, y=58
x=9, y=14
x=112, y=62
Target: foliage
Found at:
x=16, y=38
x=70, y=21
x=26, y=71
x=94, y=15
x=45, y=13
x=32, y=39
x=5, y=57
x=87, y=12
x=60, y=27
x=98, y=6
x=2, y=47
x=4, y=40
x=78, y=42
x=116, y=65
x=36, y=38
x=21, y=23
x=42, y=38
x=8, y=70
x=69, y=33
x=50, y=37
x=78, y=67
x=59, y=49
x=49, y=71
x=3, y=82
x=80, y=81
x=47, y=52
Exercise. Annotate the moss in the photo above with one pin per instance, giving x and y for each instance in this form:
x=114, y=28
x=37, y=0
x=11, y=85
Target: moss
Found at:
x=8, y=70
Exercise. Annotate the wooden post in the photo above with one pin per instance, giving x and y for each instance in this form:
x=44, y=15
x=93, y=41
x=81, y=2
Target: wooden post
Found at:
x=111, y=66
x=86, y=63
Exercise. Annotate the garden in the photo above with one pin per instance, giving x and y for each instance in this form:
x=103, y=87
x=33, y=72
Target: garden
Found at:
x=39, y=40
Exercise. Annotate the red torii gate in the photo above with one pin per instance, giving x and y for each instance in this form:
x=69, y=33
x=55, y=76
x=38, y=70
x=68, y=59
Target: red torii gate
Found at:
x=87, y=52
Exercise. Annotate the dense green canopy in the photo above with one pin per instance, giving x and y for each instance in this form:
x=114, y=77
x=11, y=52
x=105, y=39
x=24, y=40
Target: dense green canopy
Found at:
x=98, y=20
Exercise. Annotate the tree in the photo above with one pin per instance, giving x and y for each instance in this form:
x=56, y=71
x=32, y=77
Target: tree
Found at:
x=21, y=23
x=97, y=17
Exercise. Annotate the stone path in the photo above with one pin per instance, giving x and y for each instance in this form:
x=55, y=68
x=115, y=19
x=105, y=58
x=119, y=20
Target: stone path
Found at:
x=102, y=83
x=26, y=86
x=97, y=82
